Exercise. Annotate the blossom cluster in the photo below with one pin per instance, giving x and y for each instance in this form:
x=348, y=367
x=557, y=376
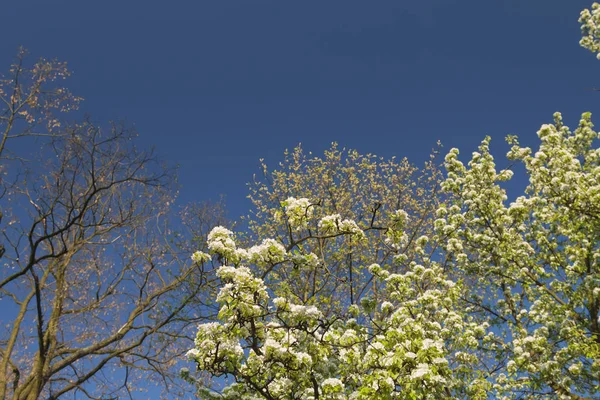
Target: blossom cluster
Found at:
x=590, y=29
x=277, y=348
x=511, y=311
x=334, y=224
x=297, y=211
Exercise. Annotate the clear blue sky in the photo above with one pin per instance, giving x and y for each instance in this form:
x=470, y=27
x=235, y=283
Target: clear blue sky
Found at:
x=216, y=85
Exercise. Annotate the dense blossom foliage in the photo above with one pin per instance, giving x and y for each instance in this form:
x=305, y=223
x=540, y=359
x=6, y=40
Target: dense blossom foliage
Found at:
x=499, y=299
x=535, y=260
x=418, y=342
x=509, y=309
x=590, y=29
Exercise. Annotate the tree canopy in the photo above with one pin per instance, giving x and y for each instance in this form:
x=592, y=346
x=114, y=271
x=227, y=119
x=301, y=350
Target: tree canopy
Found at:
x=499, y=299
x=290, y=202
x=96, y=300
x=509, y=308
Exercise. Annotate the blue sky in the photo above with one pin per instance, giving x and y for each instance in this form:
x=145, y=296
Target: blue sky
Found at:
x=216, y=85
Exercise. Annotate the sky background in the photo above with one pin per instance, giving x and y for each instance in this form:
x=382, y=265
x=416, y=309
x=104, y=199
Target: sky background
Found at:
x=216, y=85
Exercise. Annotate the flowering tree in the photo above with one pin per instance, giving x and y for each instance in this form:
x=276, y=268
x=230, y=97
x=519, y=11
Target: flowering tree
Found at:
x=526, y=324
x=347, y=190
x=507, y=306
x=418, y=343
x=535, y=260
x=590, y=29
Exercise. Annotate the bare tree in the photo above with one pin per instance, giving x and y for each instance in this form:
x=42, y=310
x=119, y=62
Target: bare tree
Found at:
x=95, y=297
x=30, y=99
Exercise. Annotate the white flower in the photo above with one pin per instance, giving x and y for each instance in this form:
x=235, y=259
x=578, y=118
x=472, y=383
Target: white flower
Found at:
x=305, y=312
x=420, y=371
x=440, y=361
x=192, y=354
x=335, y=224
x=332, y=383
x=575, y=369
x=298, y=212
x=200, y=257
x=220, y=241
x=268, y=252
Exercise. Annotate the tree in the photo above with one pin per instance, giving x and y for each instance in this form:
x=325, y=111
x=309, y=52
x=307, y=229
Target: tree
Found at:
x=363, y=188
x=536, y=261
x=526, y=327
x=30, y=99
x=501, y=300
x=590, y=29
x=413, y=345
x=96, y=300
